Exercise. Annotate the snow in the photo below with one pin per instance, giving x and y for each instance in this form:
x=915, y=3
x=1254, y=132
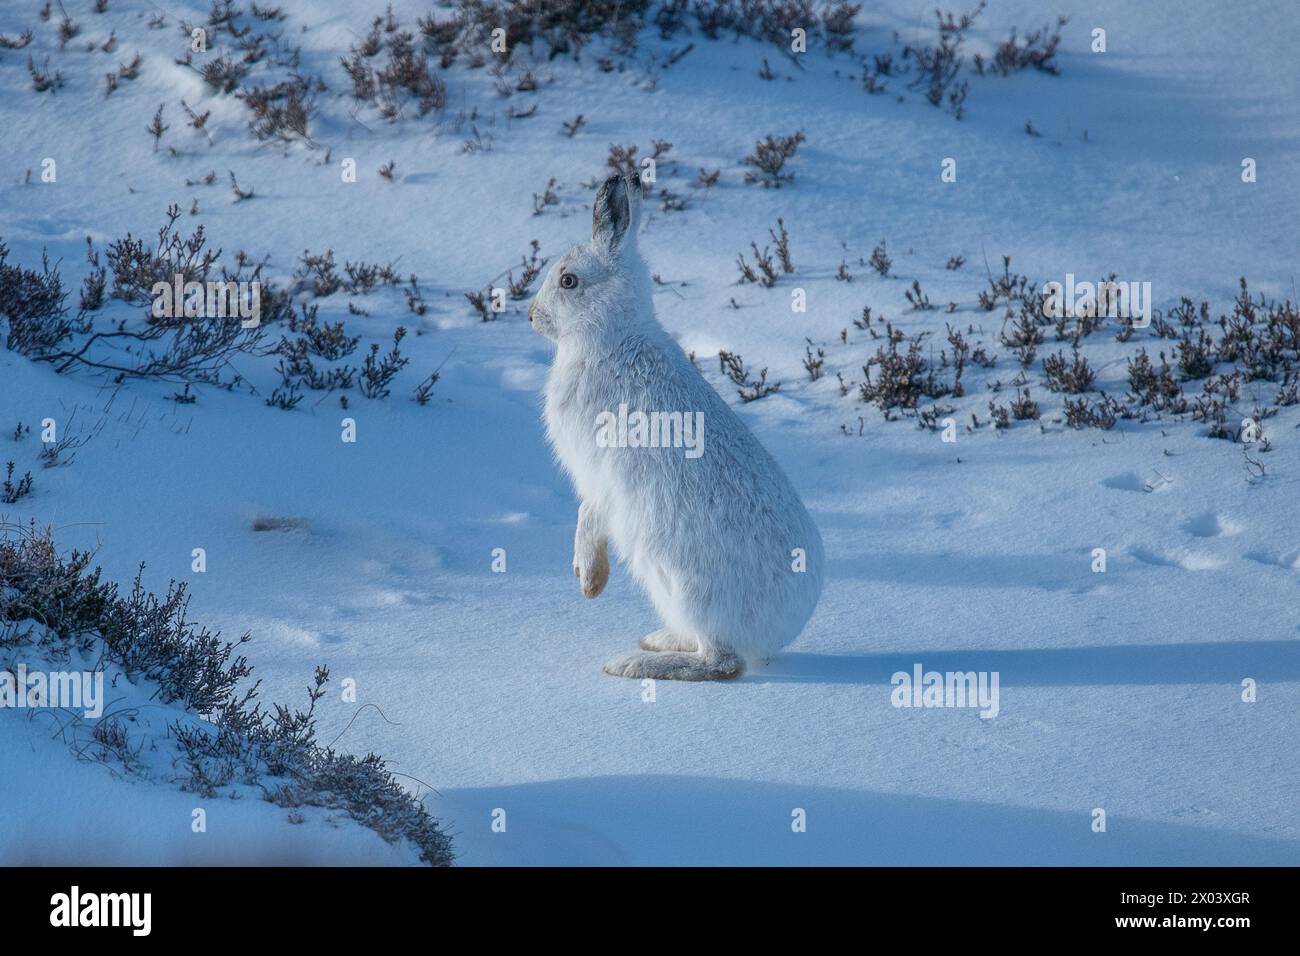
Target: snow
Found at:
x=95, y=811
x=1119, y=691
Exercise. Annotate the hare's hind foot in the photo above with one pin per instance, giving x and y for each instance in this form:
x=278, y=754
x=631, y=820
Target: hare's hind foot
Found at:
x=676, y=665
x=665, y=640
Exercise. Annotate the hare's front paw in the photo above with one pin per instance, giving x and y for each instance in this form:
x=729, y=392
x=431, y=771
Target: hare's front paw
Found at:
x=592, y=570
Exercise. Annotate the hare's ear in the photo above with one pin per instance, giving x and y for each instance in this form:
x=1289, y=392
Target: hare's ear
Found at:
x=615, y=214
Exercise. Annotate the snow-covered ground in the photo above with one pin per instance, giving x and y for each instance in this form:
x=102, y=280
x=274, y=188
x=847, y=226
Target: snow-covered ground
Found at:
x=1120, y=690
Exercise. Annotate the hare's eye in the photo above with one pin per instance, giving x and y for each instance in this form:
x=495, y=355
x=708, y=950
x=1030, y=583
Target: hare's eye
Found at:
x=568, y=281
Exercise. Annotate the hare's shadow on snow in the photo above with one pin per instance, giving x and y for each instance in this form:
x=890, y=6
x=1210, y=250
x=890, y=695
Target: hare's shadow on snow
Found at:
x=1046, y=572
x=1211, y=662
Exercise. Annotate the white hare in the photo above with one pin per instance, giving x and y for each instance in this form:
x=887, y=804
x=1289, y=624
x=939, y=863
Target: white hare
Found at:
x=715, y=534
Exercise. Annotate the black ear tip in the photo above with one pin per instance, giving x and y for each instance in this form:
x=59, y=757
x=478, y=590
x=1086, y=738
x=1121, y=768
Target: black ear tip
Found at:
x=630, y=181
x=611, y=212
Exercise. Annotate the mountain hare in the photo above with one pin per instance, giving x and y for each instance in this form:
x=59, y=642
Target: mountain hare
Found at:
x=665, y=471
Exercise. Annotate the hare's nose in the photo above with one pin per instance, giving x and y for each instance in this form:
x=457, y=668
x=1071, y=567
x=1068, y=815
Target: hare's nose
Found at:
x=530, y=310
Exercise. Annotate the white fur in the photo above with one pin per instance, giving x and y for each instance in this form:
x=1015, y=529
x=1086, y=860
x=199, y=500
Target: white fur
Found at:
x=710, y=539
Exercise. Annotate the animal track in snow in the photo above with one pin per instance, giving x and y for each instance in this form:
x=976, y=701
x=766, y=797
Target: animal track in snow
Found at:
x=1132, y=481
x=1211, y=525
x=1289, y=560
x=1177, y=558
